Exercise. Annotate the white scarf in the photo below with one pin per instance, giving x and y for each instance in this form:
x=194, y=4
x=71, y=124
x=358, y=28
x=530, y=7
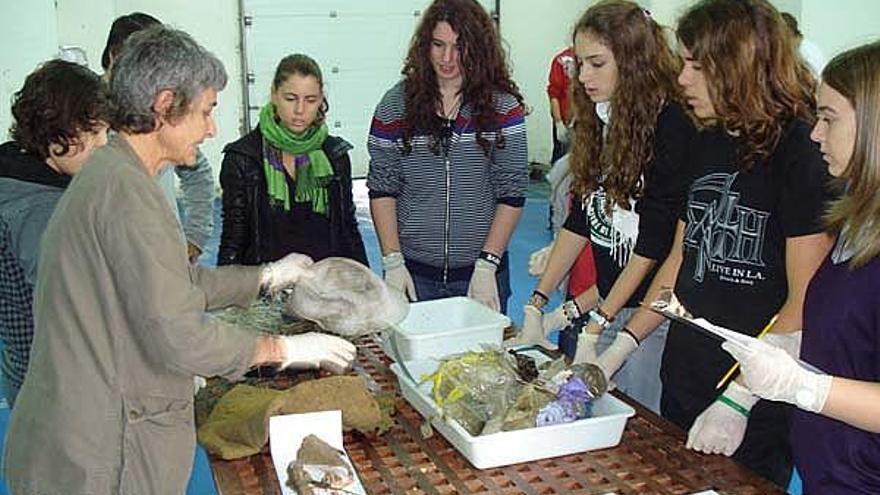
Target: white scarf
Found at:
x=624, y=223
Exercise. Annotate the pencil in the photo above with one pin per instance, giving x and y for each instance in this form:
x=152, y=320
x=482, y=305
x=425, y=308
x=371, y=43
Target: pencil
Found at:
x=735, y=366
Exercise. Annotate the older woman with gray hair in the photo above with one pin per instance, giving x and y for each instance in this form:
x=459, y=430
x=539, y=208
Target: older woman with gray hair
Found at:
x=107, y=403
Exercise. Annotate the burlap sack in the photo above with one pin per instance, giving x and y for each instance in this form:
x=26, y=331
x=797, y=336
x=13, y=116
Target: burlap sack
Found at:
x=239, y=424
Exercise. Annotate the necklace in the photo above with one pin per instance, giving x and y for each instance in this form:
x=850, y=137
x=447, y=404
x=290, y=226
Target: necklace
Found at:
x=454, y=107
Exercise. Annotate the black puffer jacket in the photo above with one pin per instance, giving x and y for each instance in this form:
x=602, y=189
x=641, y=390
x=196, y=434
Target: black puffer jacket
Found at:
x=246, y=203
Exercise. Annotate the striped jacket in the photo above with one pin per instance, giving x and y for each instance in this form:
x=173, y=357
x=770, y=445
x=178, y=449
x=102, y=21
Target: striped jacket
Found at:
x=446, y=201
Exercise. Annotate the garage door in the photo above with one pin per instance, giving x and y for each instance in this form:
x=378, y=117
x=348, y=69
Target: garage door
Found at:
x=359, y=44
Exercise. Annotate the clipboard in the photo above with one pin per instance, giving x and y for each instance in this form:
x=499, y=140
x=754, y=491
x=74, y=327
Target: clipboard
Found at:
x=668, y=306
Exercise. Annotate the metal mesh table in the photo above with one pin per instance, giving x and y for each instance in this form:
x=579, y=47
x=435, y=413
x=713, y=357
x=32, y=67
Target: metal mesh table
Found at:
x=651, y=459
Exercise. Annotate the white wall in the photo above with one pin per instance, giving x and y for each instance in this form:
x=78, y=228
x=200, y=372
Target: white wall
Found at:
x=213, y=24
x=534, y=31
x=28, y=37
x=833, y=25
x=841, y=24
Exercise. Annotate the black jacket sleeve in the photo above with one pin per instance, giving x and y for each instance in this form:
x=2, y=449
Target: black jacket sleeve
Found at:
x=234, y=238
x=666, y=183
x=350, y=240
x=576, y=221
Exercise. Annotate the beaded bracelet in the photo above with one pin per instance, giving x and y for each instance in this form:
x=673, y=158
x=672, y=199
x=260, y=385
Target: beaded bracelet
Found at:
x=600, y=318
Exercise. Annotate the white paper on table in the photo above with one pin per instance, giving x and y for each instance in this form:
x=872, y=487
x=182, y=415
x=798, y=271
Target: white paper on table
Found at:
x=287, y=432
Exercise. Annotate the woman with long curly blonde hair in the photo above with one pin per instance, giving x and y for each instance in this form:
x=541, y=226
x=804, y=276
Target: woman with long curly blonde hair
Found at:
x=629, y=141
x=750, y=236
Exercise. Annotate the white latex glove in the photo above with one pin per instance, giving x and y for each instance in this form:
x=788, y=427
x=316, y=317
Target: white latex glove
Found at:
x=314, y=350
x=198, y=384
x=285, y=272
x=788, y=342
x=720, y=428
x=772, y=374
x=538, y=260
x=483, y=286
x=397, y=276
x=558, y=318
x=612, y=359
x=586, y=348
x=561, y=132
x=533, y=330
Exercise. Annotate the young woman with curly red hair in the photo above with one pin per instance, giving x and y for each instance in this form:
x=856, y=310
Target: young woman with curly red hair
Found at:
x=629, y=141
x=448, y=162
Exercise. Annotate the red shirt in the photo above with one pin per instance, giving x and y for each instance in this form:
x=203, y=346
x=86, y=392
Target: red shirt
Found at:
x=562, y=71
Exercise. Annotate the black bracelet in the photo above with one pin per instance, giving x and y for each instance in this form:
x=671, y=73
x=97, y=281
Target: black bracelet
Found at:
x=538, y=299
x=491, y=258
x=631, y=334
x=540, y=294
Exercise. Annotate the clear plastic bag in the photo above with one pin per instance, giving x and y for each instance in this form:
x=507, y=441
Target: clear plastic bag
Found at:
x=346, y=298
x=476, y=387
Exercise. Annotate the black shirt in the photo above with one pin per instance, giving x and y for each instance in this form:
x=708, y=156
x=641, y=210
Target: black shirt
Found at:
x=299, y=230
x=654, y=215
x=733, y=270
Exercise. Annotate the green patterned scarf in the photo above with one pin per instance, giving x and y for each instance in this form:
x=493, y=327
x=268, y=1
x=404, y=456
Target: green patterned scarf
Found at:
x=313, y=169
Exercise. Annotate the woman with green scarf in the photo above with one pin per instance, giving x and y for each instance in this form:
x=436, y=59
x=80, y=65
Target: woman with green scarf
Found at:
x=287, y=184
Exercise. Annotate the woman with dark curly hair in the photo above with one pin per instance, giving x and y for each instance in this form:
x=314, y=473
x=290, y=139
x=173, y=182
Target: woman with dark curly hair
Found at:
x=59, y=117
x=750, y=236
x=448, y=162
x=629, y=142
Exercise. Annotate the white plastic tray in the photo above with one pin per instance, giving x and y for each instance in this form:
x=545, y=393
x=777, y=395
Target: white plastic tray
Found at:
x=601, y=431
x=433, y=329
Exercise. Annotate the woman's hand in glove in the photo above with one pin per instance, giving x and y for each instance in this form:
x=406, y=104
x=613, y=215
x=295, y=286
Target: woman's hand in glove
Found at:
x=721, y=427
x=771, y=373
x=483, y=286
x=586, y=348
x=561, y=132
x=538, y=260
x=318, y=350
x=397, y=276
x=533, y=331
x=615, y=355
x=285, y=272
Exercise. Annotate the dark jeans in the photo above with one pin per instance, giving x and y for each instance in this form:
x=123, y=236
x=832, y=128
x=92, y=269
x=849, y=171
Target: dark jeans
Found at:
x=429, y=281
